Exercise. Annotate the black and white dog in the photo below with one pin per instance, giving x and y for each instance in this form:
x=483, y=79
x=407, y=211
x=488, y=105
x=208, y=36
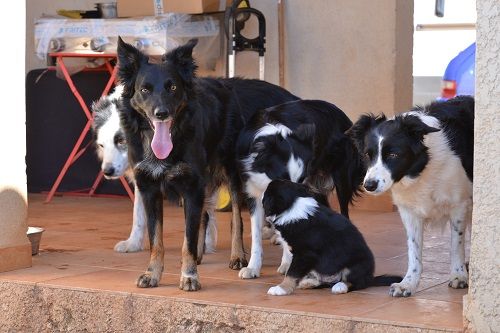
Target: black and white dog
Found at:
x=301, y=141
x=327, y=248
x=185, y=130
x=424, y=157
x=112, y=150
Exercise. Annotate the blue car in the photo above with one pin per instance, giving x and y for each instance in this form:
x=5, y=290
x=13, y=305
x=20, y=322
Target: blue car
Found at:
x=458, y=78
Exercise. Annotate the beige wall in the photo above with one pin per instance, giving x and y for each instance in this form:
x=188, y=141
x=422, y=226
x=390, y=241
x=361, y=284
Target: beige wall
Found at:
x=482, y=304
x=15, y=250
x=355, y=54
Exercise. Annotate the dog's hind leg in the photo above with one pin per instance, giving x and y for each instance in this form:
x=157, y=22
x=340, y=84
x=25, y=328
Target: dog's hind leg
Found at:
x=255, y=263
x=237, y=260
x=211, y=232
x=459, y=277
x=153, y=204
x=414, y=237
x=135, y=241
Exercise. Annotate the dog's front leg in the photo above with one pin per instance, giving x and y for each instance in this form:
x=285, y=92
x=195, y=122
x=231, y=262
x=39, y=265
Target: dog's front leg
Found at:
x=153, y=204
x=193, y=207
x=135, y=241
x=255, y=263
x=299, y=268
x=459, y=277
x=414, y=238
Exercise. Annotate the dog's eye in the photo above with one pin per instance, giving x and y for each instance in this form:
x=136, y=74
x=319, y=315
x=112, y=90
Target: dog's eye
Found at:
x=100, y=145
x=121, y=141
x=173, y=87
x=393, y=155
x=145, y=90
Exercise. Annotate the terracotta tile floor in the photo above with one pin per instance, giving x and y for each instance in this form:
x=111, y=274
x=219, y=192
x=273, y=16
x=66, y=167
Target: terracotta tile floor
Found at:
x=77, y=251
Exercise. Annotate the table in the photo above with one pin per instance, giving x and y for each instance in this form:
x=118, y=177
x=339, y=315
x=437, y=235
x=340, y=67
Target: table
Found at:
x=78, y=150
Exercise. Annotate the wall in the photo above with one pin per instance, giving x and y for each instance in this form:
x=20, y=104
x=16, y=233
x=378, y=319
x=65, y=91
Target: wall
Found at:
x=482, y=304
x=355, y=54
x=15, y=250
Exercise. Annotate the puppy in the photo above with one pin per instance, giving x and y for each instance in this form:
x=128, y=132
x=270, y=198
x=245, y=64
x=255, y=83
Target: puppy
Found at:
x=112, y=151
x=327, y=248
x=424, y=157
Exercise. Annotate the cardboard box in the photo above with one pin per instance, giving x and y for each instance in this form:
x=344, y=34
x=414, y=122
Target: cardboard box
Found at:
x=129, y=8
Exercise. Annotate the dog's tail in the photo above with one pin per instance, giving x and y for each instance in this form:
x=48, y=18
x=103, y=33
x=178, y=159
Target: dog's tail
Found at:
x=385, y=280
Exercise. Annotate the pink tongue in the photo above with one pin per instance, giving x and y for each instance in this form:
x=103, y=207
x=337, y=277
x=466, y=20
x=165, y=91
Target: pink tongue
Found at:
x=162, y=143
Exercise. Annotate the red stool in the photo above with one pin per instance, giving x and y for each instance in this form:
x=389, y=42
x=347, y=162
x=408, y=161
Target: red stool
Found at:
x=77, y=150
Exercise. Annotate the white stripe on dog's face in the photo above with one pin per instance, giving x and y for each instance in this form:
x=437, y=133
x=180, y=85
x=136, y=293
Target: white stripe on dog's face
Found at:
x=273, y=129
x=378, y=177
x=295, y=168
x=302, y=208
x=112, y=156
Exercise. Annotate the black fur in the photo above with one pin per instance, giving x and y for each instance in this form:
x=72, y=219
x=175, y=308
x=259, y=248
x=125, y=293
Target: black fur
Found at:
x=404, y=136
x=317, y=138
x=325, y=242
x=207, y=114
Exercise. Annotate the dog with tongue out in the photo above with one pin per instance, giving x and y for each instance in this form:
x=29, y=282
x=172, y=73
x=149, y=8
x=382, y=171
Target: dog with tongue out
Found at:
x=181, y=133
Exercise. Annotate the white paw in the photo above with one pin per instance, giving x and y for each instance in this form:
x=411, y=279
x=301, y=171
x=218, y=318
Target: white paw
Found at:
x=339, y=288
x=275, y=240
x=401, y=289
x=248, y=273
x=283, y=268
x=458, y=281
x=277, y=291
x=267, y=232
x=128, y=246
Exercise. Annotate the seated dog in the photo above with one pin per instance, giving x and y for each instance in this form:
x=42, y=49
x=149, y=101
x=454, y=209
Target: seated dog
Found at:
x=327, y=248
x=424, y=157
x=112, y=150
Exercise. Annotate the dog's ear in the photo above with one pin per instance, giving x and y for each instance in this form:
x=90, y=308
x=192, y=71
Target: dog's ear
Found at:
x=415, y=127
x=130, y=60
x=182, y=58
x=360, y=128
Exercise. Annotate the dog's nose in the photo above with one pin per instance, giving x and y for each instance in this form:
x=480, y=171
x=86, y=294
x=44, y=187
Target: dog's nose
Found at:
x=161, y=114
x=108, y=171
x=371, y=185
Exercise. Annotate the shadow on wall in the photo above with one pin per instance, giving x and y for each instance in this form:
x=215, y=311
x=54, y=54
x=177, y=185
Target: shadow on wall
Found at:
x=13, y=214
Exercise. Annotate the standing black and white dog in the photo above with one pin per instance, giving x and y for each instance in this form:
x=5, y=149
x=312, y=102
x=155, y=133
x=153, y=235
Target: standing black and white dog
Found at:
x=112, y=150
x=301, y=141
x=424, y=157
x=327, y=248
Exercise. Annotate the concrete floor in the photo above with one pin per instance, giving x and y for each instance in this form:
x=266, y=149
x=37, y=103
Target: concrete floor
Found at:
x=76, y=252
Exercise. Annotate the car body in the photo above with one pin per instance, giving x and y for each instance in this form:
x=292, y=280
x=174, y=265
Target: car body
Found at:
x=459, y=77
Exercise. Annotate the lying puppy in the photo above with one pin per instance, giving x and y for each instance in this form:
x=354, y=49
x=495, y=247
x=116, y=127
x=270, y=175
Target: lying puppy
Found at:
x=327, y=248
x=424, y=157
x=112, y=150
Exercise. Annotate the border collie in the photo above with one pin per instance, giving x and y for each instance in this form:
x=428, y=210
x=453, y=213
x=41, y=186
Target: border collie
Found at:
x=301, y=141
x=327, y=248
x=186, y=128
x=112, y=151
x=424, y=157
